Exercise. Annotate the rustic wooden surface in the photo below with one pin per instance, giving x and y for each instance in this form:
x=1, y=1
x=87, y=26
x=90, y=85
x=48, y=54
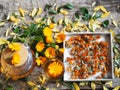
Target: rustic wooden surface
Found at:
x=9, y=6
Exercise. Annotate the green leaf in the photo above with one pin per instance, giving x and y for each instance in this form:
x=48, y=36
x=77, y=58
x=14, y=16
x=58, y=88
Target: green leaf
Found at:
x=51, y=45
x=105, y=24
x=9, y=87
x=17, y=30
x=53, y=20
x=58, y=10
x=77, y=15
x=115, y=50
x=96, y=16
x=68, y=6
x=47, y=7
x=84, y=10
x=86, y=17
x=52, y=12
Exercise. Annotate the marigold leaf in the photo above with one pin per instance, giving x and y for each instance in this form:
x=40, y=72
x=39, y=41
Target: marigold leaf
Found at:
x=77, y=15
x=105, y=24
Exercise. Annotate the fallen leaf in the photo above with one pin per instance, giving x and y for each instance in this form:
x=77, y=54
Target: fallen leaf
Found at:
x=35, y=88
x=42, y=79
x=37, y=20
x=76, y=87
x=31, y=83
x=105, y=14
x=109, y=83
x=104, y=88
x=3, y=41
x=22, y=11
x=39, y=11
x=102, y=8
x=117, y=88
x=93, y=86
x=63, y=11
x=7, y=32
x=33, y=13
x=2, y=23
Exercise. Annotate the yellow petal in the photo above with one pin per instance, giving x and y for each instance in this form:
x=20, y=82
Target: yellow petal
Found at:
x=31, y=83
x=39, y=11
x=93, y=86
x=102, y=8
x=105, y=14
x=76, y=87
x=64, y=12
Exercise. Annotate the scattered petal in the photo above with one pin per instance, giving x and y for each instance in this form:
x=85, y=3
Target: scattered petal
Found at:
x=64, y=12
x=33, y=13
x=76, y=87
x=109, y=83
x=37, y=20
x=60, y=21
x=3, y=41
x=2, y=23
x=42, y=79
x=102, y=8
x=22, y=12
x=31, y=83
x=7, y=32
x=105, y=14
x=93, y=86
x=104, y=88
x=39, y=11
x=112, y=32
x=117, y=88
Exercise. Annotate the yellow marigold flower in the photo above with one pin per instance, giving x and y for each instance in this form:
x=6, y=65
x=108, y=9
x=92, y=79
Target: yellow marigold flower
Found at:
x=40, y=60
x=61, y=50
x=40, y=46
x=56, y=47
x=60, y=37
x=50, y=52
x=55, y=69
x=52, y=25
x=14, y=46
x=15, y=58
x=49, y=39
x=105, y=14
x=47, y=31
x=64, y=12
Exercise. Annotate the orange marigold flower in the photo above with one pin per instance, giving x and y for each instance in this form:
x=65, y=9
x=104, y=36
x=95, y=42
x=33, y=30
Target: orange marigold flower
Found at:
x=60, y=37
x=15, y=58
x=40, y=46
x=50, y=52
x=61, y=50
x=14, y=46
x=55, y=69
x=47, y=31
x=49, y=39
x=40, y=60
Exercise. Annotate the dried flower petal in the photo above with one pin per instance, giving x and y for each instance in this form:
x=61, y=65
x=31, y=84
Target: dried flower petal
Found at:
x=93, y=86
x=76, y=87
x=39, y=11
x=63, y=11
x=105, y=14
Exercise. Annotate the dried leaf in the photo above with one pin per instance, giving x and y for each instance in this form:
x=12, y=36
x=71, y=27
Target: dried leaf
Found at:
x=93, y=86
x=14, y=19
x=37, y=20
x=114, y=22
x=58, y=84
x=3, y=41
x=105, y=14
x=2, y=23
x=7, y=32
x=117, y=88
x=76, y=87
x=35, y=88
x=31, y=83
x=104, y=88
x=47, y=89
x=82, y=83
x=60, y=21
x=102, y=8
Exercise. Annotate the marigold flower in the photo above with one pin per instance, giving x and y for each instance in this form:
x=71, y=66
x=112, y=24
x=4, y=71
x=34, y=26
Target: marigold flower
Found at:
x=47, y=31
x=14, y=46
x=55, y=69
x=49, y=39
x=40, y=60
x=60, y=37
x=61, y=50
x=40, y=46
x=15, y=58
x=50, y=52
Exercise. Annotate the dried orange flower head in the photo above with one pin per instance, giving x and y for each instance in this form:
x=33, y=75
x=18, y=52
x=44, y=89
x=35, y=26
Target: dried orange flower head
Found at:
x=47, y=31
x=15, y=58
x=40, y=46
x=55, y=69
x=14, y=46
x=50, y=52
x=49, y=39
x=60, y=37
x=40, y=60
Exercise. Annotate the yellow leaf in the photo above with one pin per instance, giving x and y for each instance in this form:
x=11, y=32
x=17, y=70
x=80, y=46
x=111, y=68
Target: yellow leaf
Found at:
x=42, y=79
x=117, y=88
x=33, y=13
x=39, y=11
x=63, y=11
x=22, y=12
x=93, y=86
x=76, y=87
x=102, y=8
x=31, y=83
x=110, y=83
x=105, y=14
x=2, y=24
x=112, y=32
x=97, y=8
x=35, y=88
x=104, y=88
x=3, y=41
